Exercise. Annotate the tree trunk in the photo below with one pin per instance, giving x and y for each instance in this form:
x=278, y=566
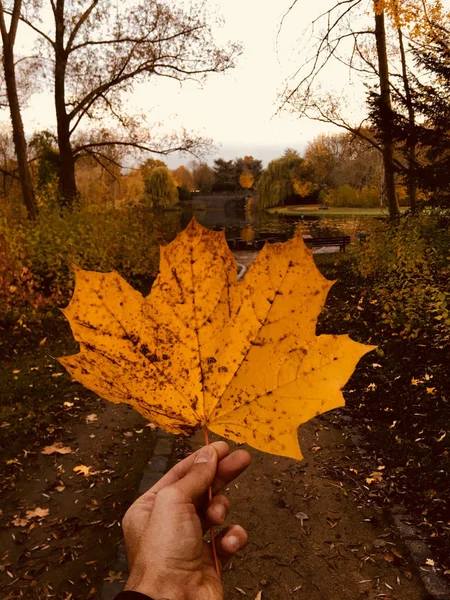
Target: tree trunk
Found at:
x=20, y=143
x=412, y=138
x=386, y=116
x=67, y=182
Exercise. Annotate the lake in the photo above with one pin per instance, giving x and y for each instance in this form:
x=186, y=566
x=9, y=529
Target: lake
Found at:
x=241, y=221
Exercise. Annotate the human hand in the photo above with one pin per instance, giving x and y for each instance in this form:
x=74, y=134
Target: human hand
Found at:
x=164, y=528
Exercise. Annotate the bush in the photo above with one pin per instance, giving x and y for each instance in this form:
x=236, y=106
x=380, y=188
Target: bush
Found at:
x=407, y=264
x=36, y=257
x=348, y=196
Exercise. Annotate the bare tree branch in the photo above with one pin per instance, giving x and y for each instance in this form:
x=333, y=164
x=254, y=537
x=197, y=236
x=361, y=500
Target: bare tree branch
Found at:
x=81, y=21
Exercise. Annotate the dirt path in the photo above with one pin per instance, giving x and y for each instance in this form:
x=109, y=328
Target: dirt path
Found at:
x=314, y=532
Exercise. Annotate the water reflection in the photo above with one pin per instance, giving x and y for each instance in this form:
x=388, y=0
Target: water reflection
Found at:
x=249, y=225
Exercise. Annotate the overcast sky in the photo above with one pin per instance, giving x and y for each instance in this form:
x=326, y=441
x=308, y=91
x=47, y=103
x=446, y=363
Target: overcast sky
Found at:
x=236, y=109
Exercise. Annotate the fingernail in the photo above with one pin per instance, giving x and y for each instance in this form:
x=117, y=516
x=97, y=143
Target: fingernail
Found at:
x=233, y=542
x=205, y=454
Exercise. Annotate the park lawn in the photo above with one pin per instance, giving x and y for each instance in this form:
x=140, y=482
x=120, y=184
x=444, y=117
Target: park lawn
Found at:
x=331, y=212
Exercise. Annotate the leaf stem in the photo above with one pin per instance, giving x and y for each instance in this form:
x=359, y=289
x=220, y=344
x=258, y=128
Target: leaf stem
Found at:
x=211, y=530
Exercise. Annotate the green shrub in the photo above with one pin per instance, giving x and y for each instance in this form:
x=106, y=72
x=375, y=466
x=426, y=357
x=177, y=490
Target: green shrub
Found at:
x=36, y=257
x=407, y=265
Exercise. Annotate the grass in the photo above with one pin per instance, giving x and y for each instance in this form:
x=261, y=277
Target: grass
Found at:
x=331, y=212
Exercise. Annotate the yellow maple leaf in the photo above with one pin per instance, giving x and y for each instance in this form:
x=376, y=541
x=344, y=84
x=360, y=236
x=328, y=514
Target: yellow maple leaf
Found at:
x=37, y=512
x=84, y=470
x=204, y=350
x=57, y=448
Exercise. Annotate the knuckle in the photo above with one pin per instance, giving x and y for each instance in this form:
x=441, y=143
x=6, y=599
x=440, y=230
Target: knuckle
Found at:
x=170, y=495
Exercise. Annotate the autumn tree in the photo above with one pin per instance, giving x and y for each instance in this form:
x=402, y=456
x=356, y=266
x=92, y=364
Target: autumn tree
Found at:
x=147, y=166
x=9, y=67
x=203, y=176
x=160, y=189
x=248, y=164
x=183, y=177
x=99, y=54
x=322, y=155
x=343, y=166
x=132, y=189
x=246, y=180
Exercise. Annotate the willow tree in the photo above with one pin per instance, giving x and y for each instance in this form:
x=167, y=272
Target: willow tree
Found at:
x=160, y=189
x=99, y=53
x=277, y=182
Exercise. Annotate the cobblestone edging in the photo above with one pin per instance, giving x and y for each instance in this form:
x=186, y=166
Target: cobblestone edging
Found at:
x=434, y=584
x=157, y=467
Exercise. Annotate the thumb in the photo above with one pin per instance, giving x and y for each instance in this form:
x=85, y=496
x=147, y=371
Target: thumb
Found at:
x=200, y=476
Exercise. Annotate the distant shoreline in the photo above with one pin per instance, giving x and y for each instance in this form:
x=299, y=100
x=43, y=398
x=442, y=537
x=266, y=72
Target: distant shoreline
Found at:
x=314, y=211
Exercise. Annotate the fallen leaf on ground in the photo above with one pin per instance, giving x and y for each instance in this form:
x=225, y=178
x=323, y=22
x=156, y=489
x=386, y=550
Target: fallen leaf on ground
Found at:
x=57, y=448
x=37, y=512
x=258, y=596
x=84, y=470
x=20, y=522
x=376, y=477
x=91, y=418
x=114, y=576
x=205, y=350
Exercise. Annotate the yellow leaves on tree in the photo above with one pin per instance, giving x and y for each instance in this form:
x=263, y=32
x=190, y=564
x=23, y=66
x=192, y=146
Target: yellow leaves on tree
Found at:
x=420, y=18
x=203, y=349
x=246, y=180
